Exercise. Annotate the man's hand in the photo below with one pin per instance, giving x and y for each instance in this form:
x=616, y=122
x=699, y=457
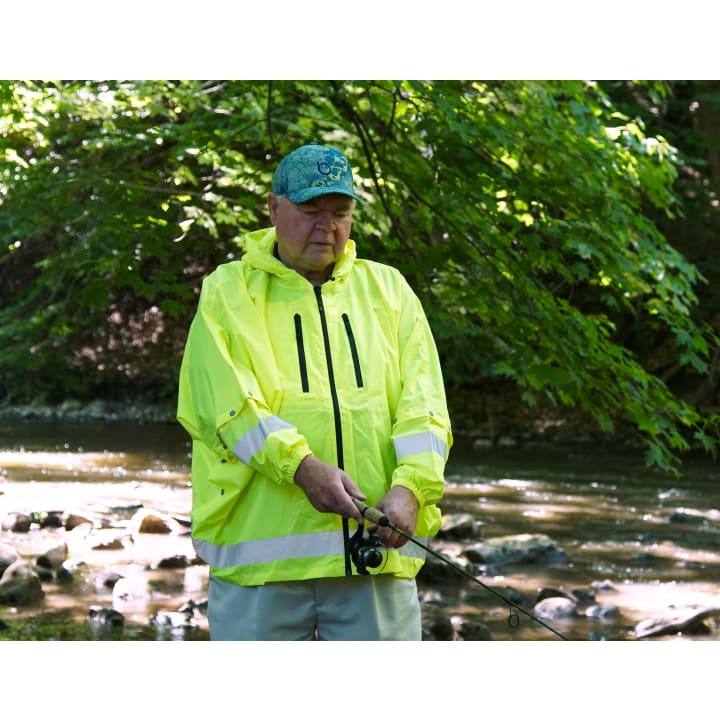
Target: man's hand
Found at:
x=328, y=488
x=401, y=508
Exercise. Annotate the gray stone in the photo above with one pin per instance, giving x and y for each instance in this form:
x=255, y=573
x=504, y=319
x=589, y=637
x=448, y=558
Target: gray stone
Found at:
x=20, y=585
x=52, y=519
x=685, y=619
x=54, y=557
x=459, y=526
x=436, y=623
x=604, y=611
x=555, y=608
x=106, y=580
x=603, y=586
x=467, y=629
x=168, y=619
x=145, y=521
x=518, y=598
x=107, y=617
x=8, y=555
x=17, y=522
x=512, y=550
x=436, y=570
x=64, y=576
x=176, y=561
x=73, y=520
x=548, y=592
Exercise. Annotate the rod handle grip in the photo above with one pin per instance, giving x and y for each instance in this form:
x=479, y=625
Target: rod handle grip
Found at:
x=371, y=513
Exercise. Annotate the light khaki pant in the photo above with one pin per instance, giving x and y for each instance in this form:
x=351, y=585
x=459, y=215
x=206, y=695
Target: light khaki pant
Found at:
x=373, y=607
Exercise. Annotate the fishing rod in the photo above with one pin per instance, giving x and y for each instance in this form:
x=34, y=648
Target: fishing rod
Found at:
x=378, y=518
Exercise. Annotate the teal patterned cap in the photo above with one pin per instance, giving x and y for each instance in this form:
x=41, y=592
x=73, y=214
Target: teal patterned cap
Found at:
x=311, y=171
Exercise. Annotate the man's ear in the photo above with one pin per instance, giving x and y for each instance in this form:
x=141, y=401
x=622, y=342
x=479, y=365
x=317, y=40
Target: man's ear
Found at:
x=272, y=202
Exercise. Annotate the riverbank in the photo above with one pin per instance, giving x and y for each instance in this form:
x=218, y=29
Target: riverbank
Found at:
x=93, y=411
x=488, y=418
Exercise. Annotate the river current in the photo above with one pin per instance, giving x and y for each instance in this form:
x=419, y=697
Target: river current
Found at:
x=653, y=541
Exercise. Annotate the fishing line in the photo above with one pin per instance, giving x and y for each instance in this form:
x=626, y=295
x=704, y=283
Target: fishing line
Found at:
x=375, y=516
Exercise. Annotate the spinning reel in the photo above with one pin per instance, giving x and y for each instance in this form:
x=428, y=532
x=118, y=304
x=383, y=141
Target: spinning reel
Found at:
x=365, y=550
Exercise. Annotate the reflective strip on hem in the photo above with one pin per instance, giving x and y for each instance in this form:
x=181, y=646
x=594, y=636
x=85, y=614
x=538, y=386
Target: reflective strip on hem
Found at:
x=253, y=552
x=254, y=440
x=292, y=547
x=420, y=442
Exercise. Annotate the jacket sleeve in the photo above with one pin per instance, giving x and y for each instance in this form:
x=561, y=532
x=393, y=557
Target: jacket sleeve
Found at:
x=421, y=432
x=225, y=401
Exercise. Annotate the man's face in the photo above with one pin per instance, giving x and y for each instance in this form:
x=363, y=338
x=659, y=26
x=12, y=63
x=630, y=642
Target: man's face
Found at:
x=312, y=235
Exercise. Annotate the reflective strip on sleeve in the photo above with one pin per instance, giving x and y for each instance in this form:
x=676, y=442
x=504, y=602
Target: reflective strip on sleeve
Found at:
x=420, y=442
x=293, y=547
x=254, y=440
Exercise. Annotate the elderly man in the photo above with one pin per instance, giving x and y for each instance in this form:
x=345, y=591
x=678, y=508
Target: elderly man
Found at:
x=310, y=378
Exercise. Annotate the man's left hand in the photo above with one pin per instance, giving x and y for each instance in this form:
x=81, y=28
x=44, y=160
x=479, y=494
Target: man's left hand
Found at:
x=401, y=508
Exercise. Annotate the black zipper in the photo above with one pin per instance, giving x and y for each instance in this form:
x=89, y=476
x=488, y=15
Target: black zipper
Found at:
x=301, y=354
x=336, y=414
x=353, y=350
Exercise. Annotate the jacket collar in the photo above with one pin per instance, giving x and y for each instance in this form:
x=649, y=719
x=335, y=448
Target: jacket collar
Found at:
x=259, y=248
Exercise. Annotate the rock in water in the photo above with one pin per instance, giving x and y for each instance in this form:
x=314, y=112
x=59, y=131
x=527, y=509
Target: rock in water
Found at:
x=512, y=549
x=107, y=617
x=676, y=620
x=556, y=608
x=17, y=522
x=8, y=555
x=20, y=585
x=54, y=557
x=458, y=526
x=145, y=521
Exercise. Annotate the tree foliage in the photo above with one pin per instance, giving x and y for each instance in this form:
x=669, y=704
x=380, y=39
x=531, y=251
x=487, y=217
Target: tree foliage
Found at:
x=526, y=214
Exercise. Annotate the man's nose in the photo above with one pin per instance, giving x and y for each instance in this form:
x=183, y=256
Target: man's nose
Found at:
x=325, y=220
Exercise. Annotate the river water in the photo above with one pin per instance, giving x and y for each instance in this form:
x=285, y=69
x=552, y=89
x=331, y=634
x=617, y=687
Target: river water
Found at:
x=651, y=541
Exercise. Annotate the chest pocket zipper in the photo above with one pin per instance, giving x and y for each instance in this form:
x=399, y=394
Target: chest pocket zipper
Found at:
x=353, y=350
x=302, y=361
x=301, y=354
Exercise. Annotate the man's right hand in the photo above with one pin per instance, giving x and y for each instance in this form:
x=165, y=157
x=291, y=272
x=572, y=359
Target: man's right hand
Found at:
x=328, y=488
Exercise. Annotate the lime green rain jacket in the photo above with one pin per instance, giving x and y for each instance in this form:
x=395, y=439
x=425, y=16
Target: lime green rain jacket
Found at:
x=276, y=369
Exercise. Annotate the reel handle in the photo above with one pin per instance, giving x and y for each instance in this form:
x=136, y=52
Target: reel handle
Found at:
x=371, y=513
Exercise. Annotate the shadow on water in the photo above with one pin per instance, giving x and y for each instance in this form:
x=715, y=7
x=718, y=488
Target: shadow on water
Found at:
x=647, y=541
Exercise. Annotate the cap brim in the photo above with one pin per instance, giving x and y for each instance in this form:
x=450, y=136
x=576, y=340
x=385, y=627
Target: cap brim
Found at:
x=307, y=194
